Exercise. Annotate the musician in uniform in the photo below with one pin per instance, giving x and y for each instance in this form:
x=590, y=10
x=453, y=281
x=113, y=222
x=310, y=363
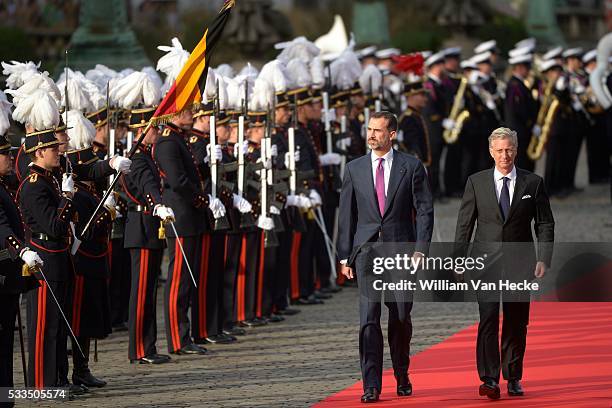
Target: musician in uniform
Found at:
x=413, y=135
x=434, y=113
x=520, y=108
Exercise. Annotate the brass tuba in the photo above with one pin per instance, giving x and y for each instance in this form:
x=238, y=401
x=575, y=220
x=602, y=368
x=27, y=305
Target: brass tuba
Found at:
x=457, y=115
x=546, y=114
x=599, y=74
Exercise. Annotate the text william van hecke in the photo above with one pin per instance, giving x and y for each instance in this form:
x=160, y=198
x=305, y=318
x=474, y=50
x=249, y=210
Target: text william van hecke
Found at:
x=448, y=285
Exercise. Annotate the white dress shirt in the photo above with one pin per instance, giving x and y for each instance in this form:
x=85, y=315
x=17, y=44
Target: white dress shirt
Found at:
x=386, y=165
x=499, y=182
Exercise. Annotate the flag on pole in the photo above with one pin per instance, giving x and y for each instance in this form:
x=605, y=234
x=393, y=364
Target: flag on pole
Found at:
x=188, y=87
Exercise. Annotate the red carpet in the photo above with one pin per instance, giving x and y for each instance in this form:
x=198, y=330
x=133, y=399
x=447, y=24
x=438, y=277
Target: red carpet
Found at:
x=568, y=363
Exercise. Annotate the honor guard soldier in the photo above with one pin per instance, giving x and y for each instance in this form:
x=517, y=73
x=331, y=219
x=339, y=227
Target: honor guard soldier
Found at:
x=47, y=211
x=145, y=221
x=182, y=191
x=13, y=255
x=90, y=298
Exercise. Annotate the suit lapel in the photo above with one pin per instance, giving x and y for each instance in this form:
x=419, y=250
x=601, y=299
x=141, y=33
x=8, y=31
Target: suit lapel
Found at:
x=492, y=194
x=519, y=189
x=369, y=180
x=397, y=173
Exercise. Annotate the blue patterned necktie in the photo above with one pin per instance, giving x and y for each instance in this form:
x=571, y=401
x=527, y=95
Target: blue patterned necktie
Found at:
x=504, y=199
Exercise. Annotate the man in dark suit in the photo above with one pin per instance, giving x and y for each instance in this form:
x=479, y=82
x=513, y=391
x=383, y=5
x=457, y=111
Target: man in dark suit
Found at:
x=503, y=202
x=385, y=197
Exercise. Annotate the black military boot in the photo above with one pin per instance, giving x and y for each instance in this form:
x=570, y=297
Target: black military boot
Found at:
x=81, y=375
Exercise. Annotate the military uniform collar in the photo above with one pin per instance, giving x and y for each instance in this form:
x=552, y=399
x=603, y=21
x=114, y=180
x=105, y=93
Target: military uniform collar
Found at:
x=39, y=170
x=174, y=128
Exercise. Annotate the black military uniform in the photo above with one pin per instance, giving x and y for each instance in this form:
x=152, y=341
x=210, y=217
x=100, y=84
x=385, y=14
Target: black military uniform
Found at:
x=207, y=303
x=142, y=186
x=435, y=111
x=47, y=215
x=181, y=188
x=90, y=299
x=520, y=114
x=415, y=135
x=12, y=283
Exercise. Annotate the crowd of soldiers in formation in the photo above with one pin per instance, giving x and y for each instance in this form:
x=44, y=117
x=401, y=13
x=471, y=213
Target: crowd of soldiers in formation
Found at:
x=239, y=192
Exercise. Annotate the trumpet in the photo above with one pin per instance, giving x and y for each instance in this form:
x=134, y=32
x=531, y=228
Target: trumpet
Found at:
x=457, y=115
x=546, y=114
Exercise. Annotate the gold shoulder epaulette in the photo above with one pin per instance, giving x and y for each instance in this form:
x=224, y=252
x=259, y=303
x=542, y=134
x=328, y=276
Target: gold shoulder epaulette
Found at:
x=166, y=132
x=33, y=178
x=193, y=139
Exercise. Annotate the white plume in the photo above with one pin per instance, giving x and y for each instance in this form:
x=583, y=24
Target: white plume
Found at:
x=298, y=74
x=172, y=63
x=276, y=74
x=136, y=88
x=78, y=98
x=80, y=130
x=39, y=80
x=210, y=90
x=225, y=70
x=262, y=96
x=38, y=109
x=299, y=48
x=343, y=72
x=249, y=71
x=5, y=112
x=370, y=79
x=101, y=75
x=18, y=72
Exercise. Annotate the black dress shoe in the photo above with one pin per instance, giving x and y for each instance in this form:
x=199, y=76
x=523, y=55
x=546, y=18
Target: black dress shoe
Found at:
x=234, y=331
x=310, y=300
x=87, y=379
x=490, y=389
x=404, y=387
x=220, y=339
x=331, y=289
x=320, y=295
x=200, y=341
x=288, y=312
x=515, y=389
x=274, y=318
x=192, y=349
x=76, y=389
x=153, y=359
x=120, y=327
x=370, y=395
x=252, y=323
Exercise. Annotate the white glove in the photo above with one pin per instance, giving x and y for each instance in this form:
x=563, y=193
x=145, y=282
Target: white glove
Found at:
x=217, y=153
x=331, y=114
x=579, y=89
x=474, y=77
x=67, y=184
x=344, y=142
x=537, y=130
x=576, y=105
x=561, y=83
x=110, y=202
x=297, y=158
x=244, y=147
x=163, y=212
x=304, y=202
x=30, y=258
x=216, y=206
x=241, y=204
x=292, y=201
x=274, y=150
x=490, y=104
x=120, y=164
x=329, y=159
x=448, y=124
x=315, y=198
x=274, y=210
x=265, y=223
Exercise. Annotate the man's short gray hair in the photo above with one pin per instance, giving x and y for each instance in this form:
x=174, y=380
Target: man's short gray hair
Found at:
x=504, y=133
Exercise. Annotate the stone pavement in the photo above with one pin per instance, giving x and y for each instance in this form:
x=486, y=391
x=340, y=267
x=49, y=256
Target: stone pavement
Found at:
x=310, y=355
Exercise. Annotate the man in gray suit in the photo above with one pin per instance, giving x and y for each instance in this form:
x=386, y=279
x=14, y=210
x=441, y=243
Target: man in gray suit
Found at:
x=385, y=197
x=502, y=203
